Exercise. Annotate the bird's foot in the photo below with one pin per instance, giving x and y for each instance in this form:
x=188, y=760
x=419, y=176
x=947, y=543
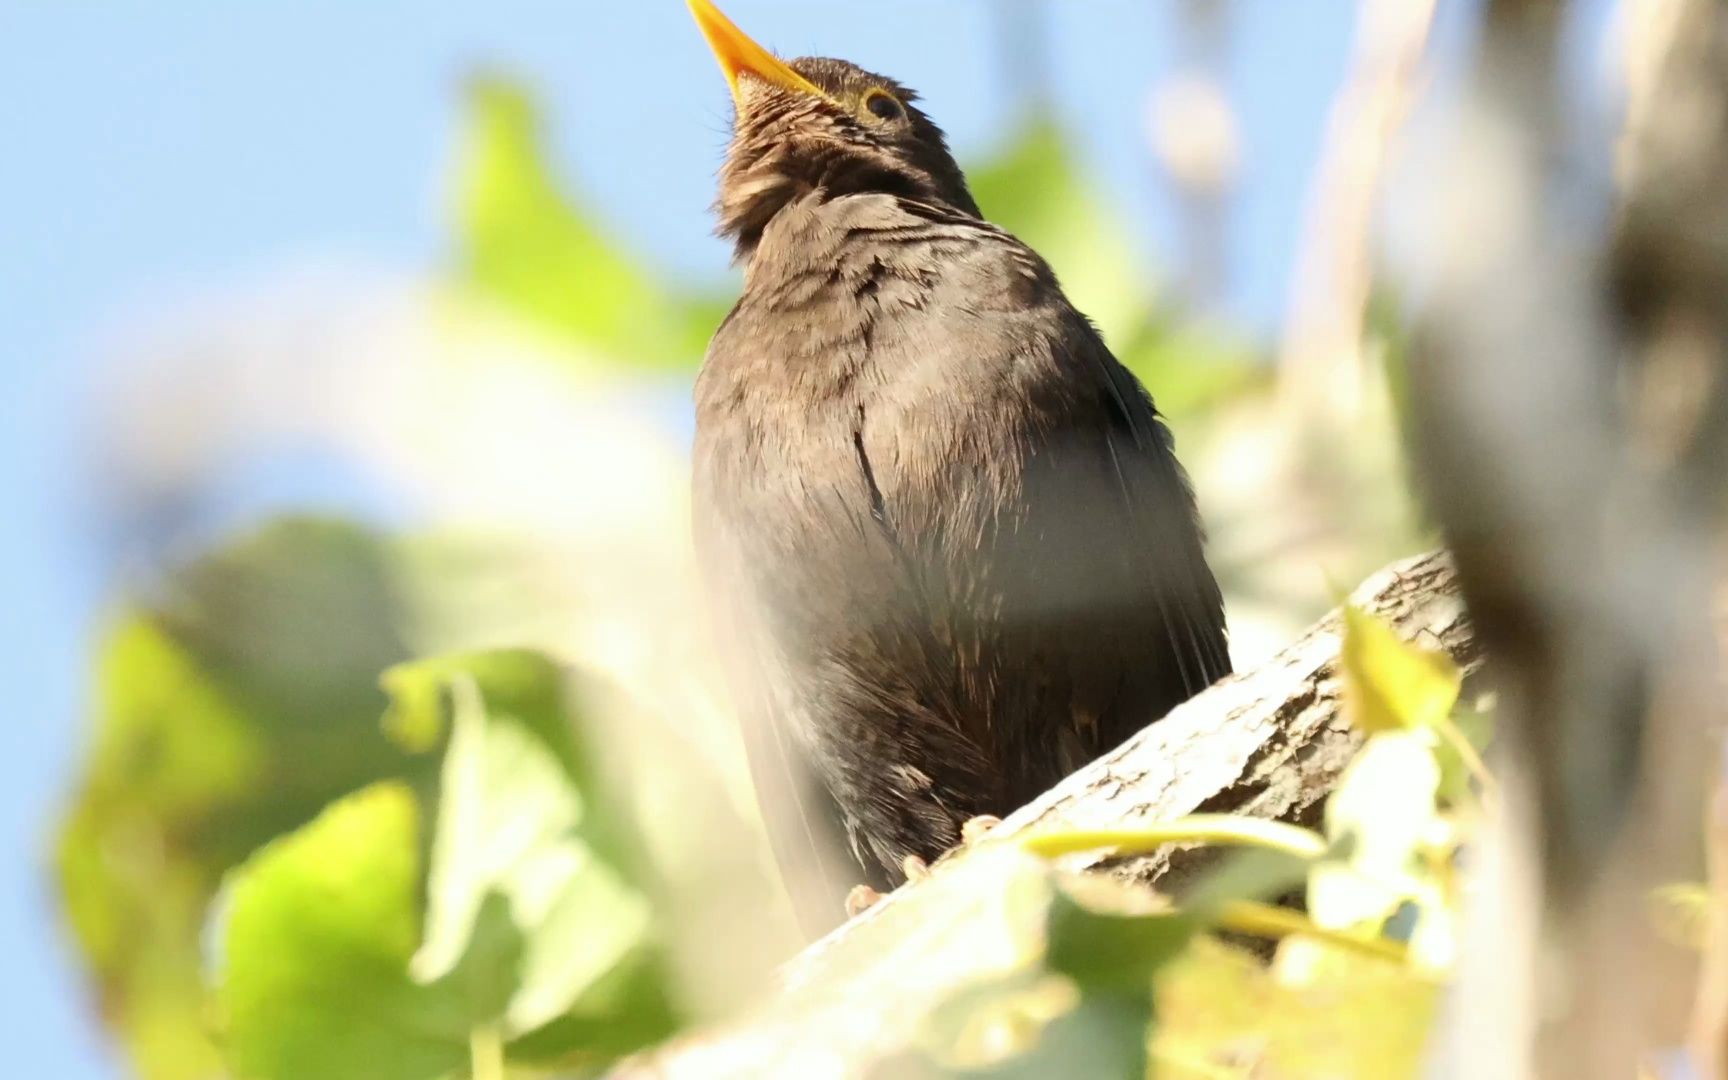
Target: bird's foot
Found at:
x=861, y=899
x=975, y=828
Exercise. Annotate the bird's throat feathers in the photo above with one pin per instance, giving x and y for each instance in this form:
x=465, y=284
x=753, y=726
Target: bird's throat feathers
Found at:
x=787, y=145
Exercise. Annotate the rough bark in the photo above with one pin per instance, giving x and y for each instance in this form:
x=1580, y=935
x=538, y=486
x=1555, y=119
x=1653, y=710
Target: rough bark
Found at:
x=1269, y=742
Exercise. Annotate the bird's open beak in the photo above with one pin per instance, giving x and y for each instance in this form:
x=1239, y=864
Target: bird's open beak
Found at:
x=739, y=55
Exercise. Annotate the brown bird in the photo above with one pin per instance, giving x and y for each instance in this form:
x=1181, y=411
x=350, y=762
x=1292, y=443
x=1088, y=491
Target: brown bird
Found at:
x=952, y=551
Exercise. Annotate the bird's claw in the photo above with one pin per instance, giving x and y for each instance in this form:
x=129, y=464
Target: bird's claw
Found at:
x=861, y=899
x=915, y=868
x=975, y=828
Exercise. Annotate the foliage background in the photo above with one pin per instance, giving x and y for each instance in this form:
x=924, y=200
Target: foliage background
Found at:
x=225, y=223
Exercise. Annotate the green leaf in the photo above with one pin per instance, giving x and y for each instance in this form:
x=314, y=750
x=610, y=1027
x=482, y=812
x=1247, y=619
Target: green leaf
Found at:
x=1104, y=1034
x=1191, y=368
x=1081, y=1005
x=510, y=825
x=1111, y=952
x=1378, y=820
x=315, y=946
x=1475, y=726
x=1108, y=949
x=527, y=247
x=519, y=682
x=230, y=708
x=1390, y=684
x=1254, y=874
x=534, y=935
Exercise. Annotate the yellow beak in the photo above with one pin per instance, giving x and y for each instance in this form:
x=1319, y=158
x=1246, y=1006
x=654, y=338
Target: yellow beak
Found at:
x=738, y=54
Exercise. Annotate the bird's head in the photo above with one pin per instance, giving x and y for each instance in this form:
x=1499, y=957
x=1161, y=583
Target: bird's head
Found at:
x=818, y=124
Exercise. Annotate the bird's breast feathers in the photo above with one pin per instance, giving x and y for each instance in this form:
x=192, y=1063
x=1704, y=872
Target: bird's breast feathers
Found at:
x=890, y=351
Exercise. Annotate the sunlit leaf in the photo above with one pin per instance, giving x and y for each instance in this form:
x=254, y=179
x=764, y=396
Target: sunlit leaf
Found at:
x=1253, y=874
x=1221, y=1013
x=1081, y=1005
x=315, y=945
x=1377, y=820
x=1030, y=1025
x=515, y=824
x=530, y=934
x=1390, y=684
x=1110, y=954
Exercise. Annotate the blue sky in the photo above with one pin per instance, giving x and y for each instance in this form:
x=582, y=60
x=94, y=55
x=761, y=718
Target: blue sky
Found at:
x=159, y=152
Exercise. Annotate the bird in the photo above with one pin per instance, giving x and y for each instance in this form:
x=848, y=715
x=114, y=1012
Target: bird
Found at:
x=949, y=551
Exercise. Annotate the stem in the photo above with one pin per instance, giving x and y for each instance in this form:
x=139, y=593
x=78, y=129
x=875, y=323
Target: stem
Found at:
x=1472, y=761
x=1276, y=923
x=1226, y=829
x=1190, y=1066
x=486, y=1052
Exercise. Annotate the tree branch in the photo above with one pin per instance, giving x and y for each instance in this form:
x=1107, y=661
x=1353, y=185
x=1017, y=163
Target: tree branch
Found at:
x=1269, y=742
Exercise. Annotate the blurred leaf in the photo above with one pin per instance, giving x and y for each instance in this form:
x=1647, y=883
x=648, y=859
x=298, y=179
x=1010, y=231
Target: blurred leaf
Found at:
x=1110, y=953
x=1080, y=1006
x=1386, y=335
x=206, y=754
x=1390, y=684
x=521, y=682
x=1434, y=937
x=1191, y=369
x=516, y=822
x=229, y=710
x=529, y=934
x=1221, y=1012
x=319, y=929
x=1110, y=949
x=1377, y=820
x=983, y=1025
x=1029, y=1025
x=1104, y=1035
x=416, y=717
x=527, y=246
x=1251, y=874
x=1476, y=727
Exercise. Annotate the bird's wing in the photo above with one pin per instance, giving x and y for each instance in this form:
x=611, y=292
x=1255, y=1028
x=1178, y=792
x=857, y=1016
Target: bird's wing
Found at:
x=1138, y=446
x=1152, y=481
x=804, y=825
x=1110, y=524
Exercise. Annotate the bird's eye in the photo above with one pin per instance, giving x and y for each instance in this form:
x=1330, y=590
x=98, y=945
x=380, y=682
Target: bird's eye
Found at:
x=883, y=105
